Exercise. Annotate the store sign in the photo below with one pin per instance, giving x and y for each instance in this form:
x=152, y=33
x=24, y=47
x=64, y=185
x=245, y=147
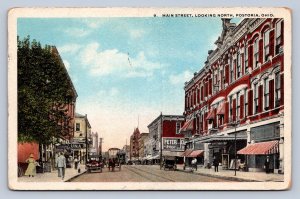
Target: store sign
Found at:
x=173, y=143
x=70, y=146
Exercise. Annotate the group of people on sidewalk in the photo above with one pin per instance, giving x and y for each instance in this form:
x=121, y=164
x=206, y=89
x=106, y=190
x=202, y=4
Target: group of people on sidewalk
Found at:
x=60, y=164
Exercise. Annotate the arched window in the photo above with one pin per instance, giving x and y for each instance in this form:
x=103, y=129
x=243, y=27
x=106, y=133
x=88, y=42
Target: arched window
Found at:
x=278, y=32
x=266, y=93
x=266, y=44
x=255, y=53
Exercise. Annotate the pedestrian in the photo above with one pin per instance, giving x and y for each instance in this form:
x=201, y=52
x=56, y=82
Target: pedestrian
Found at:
x=194, y=163
x=61, y=165
x=31, y=168
x=113, y=164
x=109, y=164
x=78, y=167
x=216, y=164
x=76, y=162
x=267, y=164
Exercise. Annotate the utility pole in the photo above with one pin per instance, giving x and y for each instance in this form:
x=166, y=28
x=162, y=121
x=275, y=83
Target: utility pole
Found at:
x=101, y=139
x=161, y=129
x=86, y=138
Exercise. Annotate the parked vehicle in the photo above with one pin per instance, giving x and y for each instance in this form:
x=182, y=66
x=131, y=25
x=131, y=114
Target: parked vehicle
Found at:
x=94, y=163
x=114, y=159
x=169, y=162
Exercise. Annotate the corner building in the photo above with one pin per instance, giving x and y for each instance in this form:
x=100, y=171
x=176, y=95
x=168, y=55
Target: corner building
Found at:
x=235, y=103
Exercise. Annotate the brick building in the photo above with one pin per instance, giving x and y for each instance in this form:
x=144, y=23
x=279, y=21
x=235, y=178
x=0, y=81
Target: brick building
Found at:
x=134, y=144
x=165, y=129
x=236, y=101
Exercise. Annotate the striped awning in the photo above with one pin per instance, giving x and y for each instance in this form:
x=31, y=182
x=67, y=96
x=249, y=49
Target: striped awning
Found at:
x=196, y=153
x=188, y=126
x=187, y=152
x=261, y=148
x=211, y=115
x=221, y=109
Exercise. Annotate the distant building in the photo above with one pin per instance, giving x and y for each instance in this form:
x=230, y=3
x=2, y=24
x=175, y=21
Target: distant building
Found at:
x=94, y=147
x=142, y=140
x=126, y=150
x=82, y=136
x=134, y=144
x=165, y=130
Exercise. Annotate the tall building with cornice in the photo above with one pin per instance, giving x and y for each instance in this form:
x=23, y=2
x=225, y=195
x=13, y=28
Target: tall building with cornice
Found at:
x=234, y=105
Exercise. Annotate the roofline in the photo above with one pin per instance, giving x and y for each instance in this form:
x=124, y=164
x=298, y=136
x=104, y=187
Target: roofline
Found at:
x=158, y=118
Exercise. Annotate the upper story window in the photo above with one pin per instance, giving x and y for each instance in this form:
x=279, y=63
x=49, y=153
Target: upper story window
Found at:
x=278, y=36
x=255, y=98
x=222, y=79
x=266, y=93
x=230, y=106
x=239, y=67
x=255, y=53
x=246, y=103
x=238, y=105
x=178, y=126
x=277, y=89
x=77, y=126
x=266, y=45
x=246, y=59
x=231, y=71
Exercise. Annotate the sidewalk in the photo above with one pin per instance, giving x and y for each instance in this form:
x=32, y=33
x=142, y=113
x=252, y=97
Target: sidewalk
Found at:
x=52, y=176
x=240, y=175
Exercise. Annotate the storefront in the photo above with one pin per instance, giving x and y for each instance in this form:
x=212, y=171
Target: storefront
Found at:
x=264, y=143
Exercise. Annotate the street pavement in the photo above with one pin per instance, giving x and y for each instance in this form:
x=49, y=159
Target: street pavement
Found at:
x=152, y=173
x=145, y=173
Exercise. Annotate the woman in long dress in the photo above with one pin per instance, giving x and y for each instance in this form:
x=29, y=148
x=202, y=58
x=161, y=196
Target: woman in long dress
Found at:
x=31, y=168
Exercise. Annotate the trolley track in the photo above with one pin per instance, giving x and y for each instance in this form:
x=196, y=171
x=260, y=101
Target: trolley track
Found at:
x=135, y=169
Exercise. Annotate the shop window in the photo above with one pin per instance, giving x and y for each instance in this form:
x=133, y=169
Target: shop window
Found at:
x=278, y=37
x=277, y=89
x=255, y=53
x=266, y=93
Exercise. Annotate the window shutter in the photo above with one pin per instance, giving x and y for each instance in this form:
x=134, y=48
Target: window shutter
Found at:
x=250, y=56
x=250, y=102
x=227, y=74
x=260, y=51
x=272, y=42
x=198, y=95
x=226, y=112
x=260, y=98
x=210, y=86
x=282, y=89
x=233, y=109
x=242, y=107
x=271, y=91
x=194, y=97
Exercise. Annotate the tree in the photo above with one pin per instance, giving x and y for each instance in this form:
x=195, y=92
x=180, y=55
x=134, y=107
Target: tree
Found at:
x=43, y=87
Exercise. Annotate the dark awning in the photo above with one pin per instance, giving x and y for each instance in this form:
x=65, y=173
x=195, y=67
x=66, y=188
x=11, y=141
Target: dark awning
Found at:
x=261, y=148
x=196, y=153
x=188, y=126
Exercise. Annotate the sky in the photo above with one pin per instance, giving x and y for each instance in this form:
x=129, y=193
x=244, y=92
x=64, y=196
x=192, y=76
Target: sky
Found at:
x=127, y=71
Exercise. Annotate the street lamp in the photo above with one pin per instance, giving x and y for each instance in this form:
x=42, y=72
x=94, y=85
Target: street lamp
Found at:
x=235, y=123
x=235, y=152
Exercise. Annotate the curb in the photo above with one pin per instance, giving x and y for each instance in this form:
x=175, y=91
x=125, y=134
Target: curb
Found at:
x=76, y=176
x=222, y=177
